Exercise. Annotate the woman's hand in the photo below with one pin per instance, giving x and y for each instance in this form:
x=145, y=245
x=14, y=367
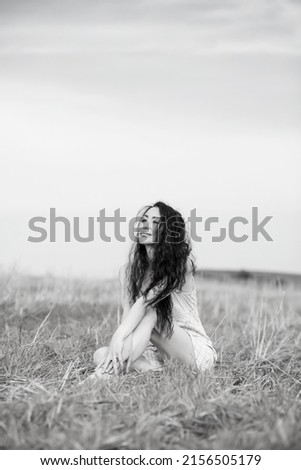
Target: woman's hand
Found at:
x=114, y=353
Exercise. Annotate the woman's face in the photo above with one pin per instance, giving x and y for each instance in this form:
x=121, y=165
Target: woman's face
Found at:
x=148, y=225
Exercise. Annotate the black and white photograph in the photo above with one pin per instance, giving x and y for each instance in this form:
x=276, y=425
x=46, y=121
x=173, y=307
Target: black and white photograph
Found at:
x=150, y=215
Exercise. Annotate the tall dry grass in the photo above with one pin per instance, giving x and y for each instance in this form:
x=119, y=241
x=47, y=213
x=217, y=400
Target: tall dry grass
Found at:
x=50, y=328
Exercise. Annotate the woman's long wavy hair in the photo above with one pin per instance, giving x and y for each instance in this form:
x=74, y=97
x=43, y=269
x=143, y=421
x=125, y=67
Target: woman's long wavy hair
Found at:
x=168, y=264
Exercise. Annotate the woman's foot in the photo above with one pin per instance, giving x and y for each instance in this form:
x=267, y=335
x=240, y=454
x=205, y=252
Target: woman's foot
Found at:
x=98, y=374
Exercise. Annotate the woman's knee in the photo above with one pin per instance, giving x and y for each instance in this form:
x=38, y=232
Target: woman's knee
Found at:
x=179, y=345
x=99, y=354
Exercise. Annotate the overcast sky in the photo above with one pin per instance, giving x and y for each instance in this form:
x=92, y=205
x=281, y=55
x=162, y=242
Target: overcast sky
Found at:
x=117, y=104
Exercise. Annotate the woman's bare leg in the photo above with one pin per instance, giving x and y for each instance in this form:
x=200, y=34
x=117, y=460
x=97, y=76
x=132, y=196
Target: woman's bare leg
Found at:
x=140, y=340
x=179, y=346
x=141, y=364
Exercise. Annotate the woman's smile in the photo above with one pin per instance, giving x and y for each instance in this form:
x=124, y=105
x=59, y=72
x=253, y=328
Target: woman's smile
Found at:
x=149, y=225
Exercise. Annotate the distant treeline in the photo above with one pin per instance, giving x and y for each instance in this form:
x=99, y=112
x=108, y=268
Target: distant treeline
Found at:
x=279, y=279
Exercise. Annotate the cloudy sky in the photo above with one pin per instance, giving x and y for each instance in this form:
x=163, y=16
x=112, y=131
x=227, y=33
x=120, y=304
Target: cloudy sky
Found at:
x=116, y=104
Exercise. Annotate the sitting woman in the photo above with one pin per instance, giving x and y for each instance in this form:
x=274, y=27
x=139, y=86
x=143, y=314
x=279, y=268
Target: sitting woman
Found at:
x=160, y=315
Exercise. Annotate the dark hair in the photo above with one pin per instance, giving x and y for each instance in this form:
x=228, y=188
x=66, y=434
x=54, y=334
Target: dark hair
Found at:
x=172, y=249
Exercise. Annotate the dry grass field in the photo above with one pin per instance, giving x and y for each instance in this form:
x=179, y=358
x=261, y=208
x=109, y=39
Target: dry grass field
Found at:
x=50, y=328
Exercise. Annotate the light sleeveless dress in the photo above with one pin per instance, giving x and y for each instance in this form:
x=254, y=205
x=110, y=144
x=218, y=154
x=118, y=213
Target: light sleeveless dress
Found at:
x=186, y=315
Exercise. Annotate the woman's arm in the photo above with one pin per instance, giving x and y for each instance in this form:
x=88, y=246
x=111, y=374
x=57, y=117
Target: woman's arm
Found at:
x=122, y=338
x=132, y=319
x=132, y=315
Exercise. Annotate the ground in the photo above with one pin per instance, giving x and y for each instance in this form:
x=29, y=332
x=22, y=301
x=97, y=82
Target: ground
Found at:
x=50, y=328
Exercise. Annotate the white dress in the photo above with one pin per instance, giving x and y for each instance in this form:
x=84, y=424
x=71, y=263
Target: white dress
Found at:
x=186, y=315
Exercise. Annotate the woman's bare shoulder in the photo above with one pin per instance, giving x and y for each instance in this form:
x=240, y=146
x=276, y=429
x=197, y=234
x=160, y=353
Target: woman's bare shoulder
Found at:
x=189, y=266
x=189, y=279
